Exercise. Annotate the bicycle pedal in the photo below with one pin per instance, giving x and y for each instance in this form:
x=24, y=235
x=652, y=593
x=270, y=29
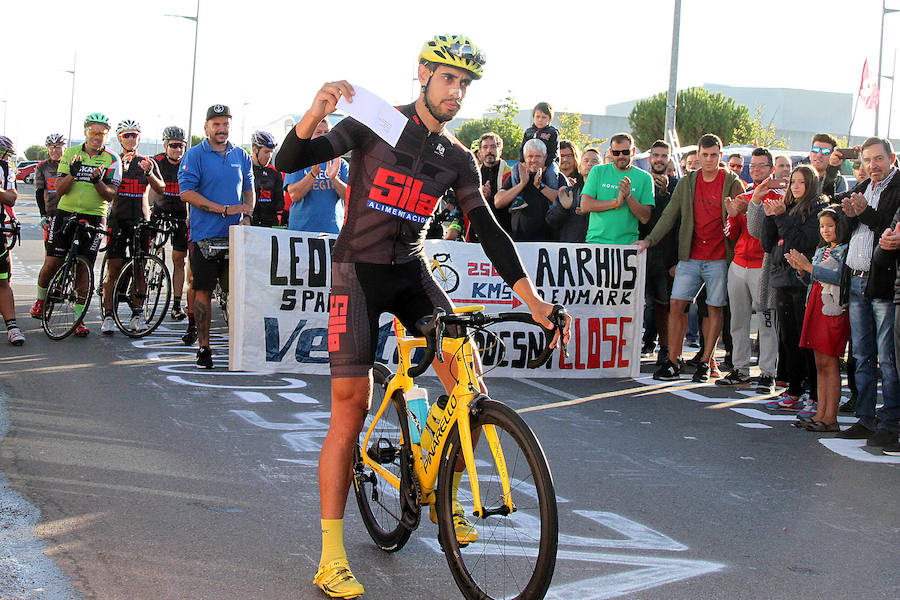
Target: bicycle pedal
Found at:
x=383, y=455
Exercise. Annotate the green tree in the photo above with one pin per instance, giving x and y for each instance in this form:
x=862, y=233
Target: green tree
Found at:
x=36, y=153
x=755, y=132
x=195, y=139
x=504, y=125
x=699, y=112
x=570, y=125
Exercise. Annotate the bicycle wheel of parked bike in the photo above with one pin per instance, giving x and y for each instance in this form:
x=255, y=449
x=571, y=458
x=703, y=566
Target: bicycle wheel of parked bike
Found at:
x=68, y=296
x=389, y=514
x=142, y=295
x=221, y=297
x=515, y=553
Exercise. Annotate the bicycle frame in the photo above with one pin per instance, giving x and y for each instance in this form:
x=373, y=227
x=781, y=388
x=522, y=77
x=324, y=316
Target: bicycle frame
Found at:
x=465, y=391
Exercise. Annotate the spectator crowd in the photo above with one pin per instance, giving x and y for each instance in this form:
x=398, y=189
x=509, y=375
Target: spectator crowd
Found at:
x=794, y=264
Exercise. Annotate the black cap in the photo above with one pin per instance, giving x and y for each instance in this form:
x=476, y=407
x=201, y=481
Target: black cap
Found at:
x=217, y=110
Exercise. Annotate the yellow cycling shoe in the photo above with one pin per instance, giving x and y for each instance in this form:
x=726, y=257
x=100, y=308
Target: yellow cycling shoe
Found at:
x=336, y=580
x=465, y=531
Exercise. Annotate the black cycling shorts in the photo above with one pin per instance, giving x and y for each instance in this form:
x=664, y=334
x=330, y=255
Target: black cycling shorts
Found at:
x=180, y=235
x=120, y=241
x=5, y=261
x=207, y=272
x=360, y=292
x=59, y=241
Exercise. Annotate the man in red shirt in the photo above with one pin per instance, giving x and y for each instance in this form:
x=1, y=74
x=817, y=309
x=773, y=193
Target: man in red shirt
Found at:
x=744, y=282
x=698, y=203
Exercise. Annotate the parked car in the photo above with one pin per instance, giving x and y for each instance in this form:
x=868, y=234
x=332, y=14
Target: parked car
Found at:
x=25, y=170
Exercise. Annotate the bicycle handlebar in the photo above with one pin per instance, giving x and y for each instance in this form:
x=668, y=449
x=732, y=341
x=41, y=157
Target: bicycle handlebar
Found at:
x=433, y=332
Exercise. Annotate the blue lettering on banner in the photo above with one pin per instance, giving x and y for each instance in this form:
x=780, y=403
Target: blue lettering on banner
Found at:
x=309, y=341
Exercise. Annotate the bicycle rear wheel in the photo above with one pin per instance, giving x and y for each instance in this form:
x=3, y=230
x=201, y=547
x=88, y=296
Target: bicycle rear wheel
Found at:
x=389, y=514
x=70, y=287
x=515, y=554
x=142, y=294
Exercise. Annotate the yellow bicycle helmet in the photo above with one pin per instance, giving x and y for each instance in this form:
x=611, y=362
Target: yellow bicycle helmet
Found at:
x=455, y=51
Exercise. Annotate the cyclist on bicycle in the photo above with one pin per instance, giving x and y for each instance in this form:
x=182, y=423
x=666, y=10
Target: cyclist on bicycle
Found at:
x=269, y=182
x=88, y=178
x=8, y=196
x=45, y=181
x=130, y=206
x=170, y=205
x=378, y=261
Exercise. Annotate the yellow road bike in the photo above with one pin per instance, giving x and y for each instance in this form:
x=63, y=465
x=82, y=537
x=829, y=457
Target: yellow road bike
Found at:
x=506, y=490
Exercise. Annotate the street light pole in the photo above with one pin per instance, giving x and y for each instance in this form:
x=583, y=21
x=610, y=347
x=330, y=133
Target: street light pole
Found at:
x=671, y=98
x=884, y=11
x=196, y=20
x=72, y=97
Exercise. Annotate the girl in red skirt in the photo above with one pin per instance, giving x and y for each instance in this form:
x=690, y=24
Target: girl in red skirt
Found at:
x=826, y=324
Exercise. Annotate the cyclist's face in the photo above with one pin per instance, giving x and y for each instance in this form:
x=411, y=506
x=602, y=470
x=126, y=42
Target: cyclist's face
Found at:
x=446, y=90
x=55, y=152
x=129, y=140
x=95, y=136
x=174, y=150
x=264, y=155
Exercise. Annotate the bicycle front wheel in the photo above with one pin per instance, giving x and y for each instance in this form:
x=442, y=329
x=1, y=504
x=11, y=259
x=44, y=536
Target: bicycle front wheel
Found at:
x=68, y=296
x=515, y=553
x=142, y=294
x=389, y=514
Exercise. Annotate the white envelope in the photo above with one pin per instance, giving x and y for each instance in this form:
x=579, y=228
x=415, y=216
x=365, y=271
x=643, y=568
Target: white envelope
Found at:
x=375, y=113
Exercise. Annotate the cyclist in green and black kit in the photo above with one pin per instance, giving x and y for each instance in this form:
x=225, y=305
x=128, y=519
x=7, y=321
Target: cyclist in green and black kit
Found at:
x=89, y=176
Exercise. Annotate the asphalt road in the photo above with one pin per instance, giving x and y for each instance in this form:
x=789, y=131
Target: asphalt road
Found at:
x=150, y=479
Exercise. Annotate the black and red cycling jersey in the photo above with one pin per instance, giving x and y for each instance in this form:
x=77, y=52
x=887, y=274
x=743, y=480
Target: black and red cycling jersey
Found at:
x=170, y=201
x=45, y=175
x=127, y=204
x=393, y=191
x=269, y=186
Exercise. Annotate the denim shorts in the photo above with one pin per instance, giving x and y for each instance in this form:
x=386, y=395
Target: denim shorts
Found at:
x=691, y=275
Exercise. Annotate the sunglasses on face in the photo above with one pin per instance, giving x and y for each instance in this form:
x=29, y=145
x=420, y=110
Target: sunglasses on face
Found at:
x=129, y=135
x=735, y=166
x=626, y=152
x=822, y=151
x=176, y=145
x=95, y=133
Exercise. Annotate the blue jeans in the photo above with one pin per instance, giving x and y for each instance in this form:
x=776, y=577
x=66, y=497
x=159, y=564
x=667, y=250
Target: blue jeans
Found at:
x=872, y=329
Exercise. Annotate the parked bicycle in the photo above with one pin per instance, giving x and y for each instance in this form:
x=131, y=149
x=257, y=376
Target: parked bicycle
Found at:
x=403, y=464
x=143, y=287
x=71, y=287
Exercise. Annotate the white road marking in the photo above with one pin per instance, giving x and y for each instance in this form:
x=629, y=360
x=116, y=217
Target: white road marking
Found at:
x=854, y=449
x=755, y=426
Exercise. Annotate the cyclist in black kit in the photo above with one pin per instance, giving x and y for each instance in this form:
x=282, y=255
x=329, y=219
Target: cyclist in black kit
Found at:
x=378, y=261
x=269, y=208
x=169, y=204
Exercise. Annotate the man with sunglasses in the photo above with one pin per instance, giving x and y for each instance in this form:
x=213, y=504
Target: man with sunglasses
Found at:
x=827, y=163
x=618, y=196
x=88, y=178
x=130, y=206
x=378, y=261
x=269, y=182
x=170, y=205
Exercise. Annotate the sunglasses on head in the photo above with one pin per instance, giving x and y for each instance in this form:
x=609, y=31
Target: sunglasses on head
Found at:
x=822, y=151
x=466, y=51
x=626, y=152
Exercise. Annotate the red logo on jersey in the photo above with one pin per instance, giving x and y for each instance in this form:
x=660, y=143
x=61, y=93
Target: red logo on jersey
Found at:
x=265, y=195
x=401, y=191
x=51, y=184
x=172, y=188
x=132, y=187
x=337, y=320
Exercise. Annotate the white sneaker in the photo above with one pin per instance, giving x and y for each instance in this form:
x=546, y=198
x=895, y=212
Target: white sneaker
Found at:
x=108, y=326
x=15, y=336
x=136, y=323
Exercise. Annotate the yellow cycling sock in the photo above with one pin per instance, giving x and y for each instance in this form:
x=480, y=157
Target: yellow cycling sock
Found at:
x=41, y=293
x=332, y=541
x=457, y=477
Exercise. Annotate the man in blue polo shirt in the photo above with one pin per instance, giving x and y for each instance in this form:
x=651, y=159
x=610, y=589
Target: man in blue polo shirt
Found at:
x=216, y=180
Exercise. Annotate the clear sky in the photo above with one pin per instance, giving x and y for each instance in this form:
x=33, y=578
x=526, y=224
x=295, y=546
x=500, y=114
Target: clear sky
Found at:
x=134, y=62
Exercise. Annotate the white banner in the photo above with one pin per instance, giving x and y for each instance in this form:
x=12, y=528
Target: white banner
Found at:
x=281, y=279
